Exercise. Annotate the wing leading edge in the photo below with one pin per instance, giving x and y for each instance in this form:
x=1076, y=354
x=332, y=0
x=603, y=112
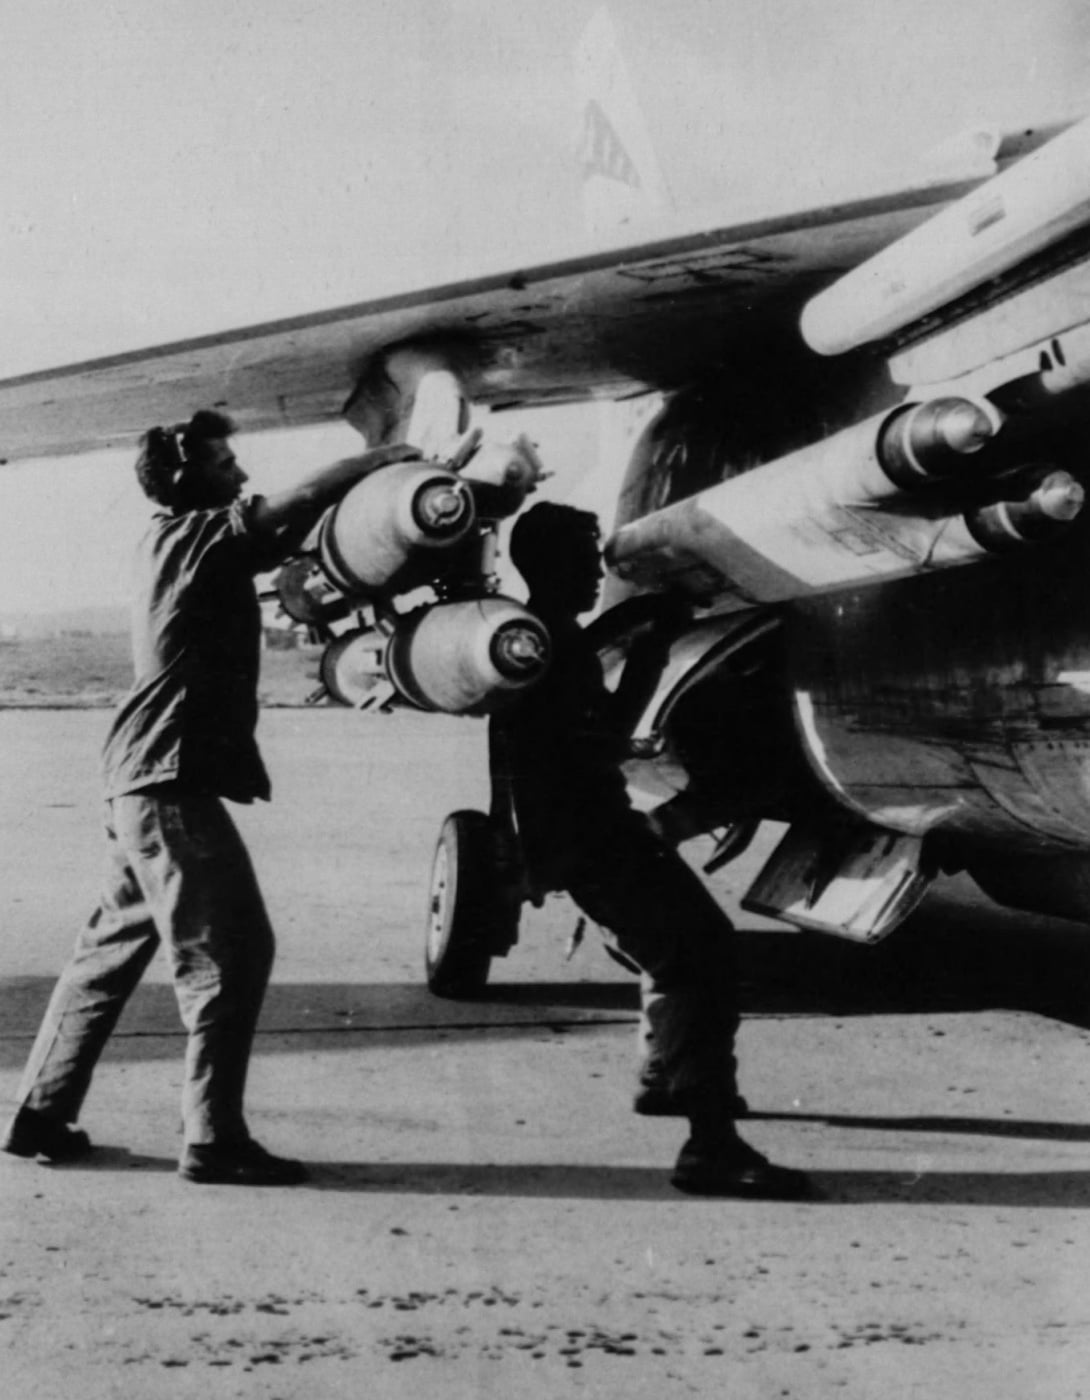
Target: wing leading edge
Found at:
x=654, y=314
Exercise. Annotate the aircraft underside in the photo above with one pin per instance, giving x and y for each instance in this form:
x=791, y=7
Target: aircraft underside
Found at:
x=946, y=705
x=951, y=708
x=889, y=648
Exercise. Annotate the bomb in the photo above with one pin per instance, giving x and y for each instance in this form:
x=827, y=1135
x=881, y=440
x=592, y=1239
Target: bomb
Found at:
x=462, y=658
x=395, y=529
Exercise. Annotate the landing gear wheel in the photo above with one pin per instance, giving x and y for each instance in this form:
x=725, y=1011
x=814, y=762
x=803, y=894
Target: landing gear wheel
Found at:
x=471, y=914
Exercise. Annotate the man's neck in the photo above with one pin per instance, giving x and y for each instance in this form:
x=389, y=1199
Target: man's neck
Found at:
x=549, y=610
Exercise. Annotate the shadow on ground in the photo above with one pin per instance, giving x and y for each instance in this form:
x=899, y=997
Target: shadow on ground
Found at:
x=948, y=957
x=951, y=956
x=1040, y=1129
x=1069, y=1190
x=332, y=1015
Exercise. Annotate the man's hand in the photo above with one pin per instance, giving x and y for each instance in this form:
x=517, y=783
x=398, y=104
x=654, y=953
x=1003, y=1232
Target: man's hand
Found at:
x=504, y=475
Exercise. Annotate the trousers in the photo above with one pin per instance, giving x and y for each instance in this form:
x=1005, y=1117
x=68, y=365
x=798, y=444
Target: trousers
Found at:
x=661, y=917
x=178, y=874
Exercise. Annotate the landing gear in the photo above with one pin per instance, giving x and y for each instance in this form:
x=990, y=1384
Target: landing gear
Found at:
x=473, y=905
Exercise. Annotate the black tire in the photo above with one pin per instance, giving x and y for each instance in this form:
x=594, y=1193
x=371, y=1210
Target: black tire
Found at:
x=471, y=914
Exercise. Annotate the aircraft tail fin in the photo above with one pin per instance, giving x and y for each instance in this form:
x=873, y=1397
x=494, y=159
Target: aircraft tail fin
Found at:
x=622, y=180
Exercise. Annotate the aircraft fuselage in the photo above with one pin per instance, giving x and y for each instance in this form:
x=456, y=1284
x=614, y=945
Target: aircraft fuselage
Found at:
x=951, y=702
x=956, y=702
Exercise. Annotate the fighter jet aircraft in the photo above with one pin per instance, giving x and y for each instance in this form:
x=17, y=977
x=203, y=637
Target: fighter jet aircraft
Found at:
x=855, y=530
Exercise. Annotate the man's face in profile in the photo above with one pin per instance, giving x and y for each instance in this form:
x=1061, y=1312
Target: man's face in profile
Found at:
x=215, y=478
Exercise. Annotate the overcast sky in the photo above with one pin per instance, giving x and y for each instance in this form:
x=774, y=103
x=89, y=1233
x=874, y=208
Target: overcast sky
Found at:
x=172, y=167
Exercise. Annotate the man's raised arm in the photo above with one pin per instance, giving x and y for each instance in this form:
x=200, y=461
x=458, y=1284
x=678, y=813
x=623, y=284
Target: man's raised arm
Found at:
x=285, y=518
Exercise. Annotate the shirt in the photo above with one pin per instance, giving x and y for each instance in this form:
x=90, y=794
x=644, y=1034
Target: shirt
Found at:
x=562, y=752
x=190, y=716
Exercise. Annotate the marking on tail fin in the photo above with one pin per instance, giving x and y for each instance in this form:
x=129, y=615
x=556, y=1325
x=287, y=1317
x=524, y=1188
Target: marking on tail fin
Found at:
x=603, y=152
x=622, y=181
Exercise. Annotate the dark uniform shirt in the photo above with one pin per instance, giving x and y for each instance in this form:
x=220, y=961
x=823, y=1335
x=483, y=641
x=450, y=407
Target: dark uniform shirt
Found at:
x=562, y=752
x=190, y=716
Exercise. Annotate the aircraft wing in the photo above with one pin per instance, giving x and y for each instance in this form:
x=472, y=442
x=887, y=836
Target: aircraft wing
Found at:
x=650, y=314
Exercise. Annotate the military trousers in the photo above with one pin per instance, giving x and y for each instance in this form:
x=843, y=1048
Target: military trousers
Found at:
x=178, y=874
x=661, y=916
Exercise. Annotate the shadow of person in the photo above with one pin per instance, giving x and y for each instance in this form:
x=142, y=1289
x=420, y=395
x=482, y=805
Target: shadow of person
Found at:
x=580, y=1181
x=1064, y=1189
x=911, y=1185
x=925, y=1123
x=108, y=1158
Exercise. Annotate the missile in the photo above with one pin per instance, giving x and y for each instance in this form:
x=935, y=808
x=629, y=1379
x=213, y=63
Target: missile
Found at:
x=935, y=439
x=461, y=658
x=1047, y=511
x=910, y=449
x=865, y=504
x=391, y=530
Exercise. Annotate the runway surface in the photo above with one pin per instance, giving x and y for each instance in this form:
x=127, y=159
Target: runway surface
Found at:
x=486, y=1216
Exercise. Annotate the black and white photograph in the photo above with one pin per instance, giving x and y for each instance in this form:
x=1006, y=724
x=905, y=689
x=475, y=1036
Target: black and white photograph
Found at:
x=545, y=700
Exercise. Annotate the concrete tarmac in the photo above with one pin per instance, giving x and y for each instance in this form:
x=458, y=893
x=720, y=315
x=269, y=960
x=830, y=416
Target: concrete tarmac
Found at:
x=486, y=1216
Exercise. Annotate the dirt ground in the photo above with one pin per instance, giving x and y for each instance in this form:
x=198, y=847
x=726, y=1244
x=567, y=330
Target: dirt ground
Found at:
x=486, y=1216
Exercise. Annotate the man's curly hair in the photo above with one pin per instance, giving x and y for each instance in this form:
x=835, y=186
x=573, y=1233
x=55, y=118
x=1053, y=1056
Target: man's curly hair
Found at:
x=166, y=452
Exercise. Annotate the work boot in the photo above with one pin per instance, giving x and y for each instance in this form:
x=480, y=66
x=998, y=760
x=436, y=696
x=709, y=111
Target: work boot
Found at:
x=33, y=1134
x=718, y=1162
x=244, y=1163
